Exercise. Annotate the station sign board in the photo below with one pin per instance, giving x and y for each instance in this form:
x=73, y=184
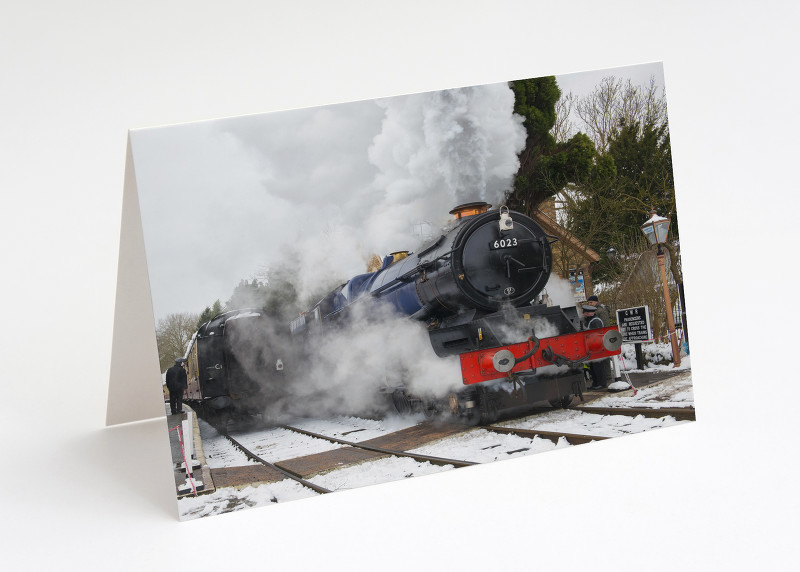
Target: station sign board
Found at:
x=634, y=324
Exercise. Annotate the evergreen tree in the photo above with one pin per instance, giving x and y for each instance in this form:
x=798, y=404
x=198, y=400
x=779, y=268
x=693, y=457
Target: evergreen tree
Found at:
x=545, y=166
x=209, y=312
x=247, y=294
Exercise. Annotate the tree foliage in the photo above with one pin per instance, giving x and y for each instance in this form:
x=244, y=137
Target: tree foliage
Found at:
x=545, y=164
x=209, y=312
x=606, y=197
x=634, y=279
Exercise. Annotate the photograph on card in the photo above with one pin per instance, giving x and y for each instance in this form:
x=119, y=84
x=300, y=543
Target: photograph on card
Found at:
x=364, y=292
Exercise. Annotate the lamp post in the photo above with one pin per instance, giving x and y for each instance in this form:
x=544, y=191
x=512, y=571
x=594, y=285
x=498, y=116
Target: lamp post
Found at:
x=656, y=229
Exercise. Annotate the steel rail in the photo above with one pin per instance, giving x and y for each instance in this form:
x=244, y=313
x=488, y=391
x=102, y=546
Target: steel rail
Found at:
x=288, y=474
x=679, y=413
x=554, y=436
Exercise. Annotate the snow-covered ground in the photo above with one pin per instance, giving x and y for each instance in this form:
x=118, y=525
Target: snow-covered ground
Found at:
x=482, y=446
x=477, y=445
x=657, y=357
x=673, y=392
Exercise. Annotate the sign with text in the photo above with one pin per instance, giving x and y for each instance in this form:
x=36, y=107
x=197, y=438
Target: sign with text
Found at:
x=634, y=324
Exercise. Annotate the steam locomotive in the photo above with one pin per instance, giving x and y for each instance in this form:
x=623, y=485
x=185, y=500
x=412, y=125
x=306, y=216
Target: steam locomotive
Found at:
x=477, y=288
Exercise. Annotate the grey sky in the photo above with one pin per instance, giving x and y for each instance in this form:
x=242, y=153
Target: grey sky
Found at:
x=581, y=83
x=324, y=187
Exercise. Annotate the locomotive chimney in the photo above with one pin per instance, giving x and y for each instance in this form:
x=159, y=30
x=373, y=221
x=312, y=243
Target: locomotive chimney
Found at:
x=469, y=209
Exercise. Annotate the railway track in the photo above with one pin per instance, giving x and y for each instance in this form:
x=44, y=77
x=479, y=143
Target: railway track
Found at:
x=286, y=471
x=679, y=413
x=289, y=474
x=554, y=436
x=384, y=451
x=392, y=445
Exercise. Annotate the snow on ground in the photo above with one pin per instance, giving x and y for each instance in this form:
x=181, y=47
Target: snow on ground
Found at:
x=279, y=444
x=376, y=472
x=657, y=357
x=230, y=499
x=482, y=446
x=673, y=392
x=218, y=450
x=571, y=421
x=356, y=429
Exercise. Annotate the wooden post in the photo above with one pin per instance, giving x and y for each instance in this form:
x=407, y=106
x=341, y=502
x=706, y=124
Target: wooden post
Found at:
x=673, y=336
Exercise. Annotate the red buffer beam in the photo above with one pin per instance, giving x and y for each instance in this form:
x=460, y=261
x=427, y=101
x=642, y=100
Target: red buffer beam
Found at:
x=500, y=362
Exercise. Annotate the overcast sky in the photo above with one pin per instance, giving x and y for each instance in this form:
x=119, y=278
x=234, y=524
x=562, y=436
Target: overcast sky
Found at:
x=323, y=187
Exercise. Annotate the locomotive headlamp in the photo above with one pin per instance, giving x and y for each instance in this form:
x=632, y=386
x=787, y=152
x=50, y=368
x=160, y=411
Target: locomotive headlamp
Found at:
x=506, y=222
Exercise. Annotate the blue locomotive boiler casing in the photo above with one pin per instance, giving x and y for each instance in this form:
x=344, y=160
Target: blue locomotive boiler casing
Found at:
x=481, y=263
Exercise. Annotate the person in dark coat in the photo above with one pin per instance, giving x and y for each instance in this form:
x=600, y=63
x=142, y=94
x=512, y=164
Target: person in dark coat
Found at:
x=597, y=368
x=176, y=384
x=602, y=312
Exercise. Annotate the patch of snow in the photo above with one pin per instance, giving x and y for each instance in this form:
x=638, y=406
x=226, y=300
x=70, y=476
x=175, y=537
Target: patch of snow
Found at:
x=278, y=444
x=657, y=357
x=220, y=452
x=482, y=446
x=572, y=421
x=376, y=472
x=673, y=392
x=357, y=429
x=230, y=499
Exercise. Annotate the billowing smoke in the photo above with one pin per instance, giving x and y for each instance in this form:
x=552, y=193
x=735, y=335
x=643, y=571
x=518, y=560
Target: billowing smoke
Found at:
x=429, y=153
x=356, y=179
x=438, y=150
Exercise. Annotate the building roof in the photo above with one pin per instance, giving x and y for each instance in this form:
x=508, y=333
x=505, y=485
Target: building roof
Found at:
x=551, y=226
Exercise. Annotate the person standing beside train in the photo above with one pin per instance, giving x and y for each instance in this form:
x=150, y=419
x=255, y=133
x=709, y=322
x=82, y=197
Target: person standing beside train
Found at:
x=176, y=384
x=602, y=313
x=596, y=368
x=600, y=309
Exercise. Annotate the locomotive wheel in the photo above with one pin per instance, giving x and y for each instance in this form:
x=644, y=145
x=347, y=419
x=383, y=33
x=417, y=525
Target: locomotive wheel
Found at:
x=401, y=402
x=473, y=417
x=490, y=414
x=561, y=402
x=428, y=410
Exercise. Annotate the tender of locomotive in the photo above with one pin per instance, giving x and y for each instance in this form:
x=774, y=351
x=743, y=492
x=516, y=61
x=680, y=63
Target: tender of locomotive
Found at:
x=233, y=367
x=477, y=287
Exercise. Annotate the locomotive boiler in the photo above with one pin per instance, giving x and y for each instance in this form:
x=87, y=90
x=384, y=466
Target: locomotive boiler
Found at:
x=477, y=288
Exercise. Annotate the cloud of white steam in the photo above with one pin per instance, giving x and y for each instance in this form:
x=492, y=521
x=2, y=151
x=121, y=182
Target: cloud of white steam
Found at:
x=560, y=291
x=427, y=154
x=361, y=176
x=438, y=150
x=356, y=361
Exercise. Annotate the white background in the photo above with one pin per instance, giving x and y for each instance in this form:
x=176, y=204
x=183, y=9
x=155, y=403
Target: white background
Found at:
x=74, y=77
